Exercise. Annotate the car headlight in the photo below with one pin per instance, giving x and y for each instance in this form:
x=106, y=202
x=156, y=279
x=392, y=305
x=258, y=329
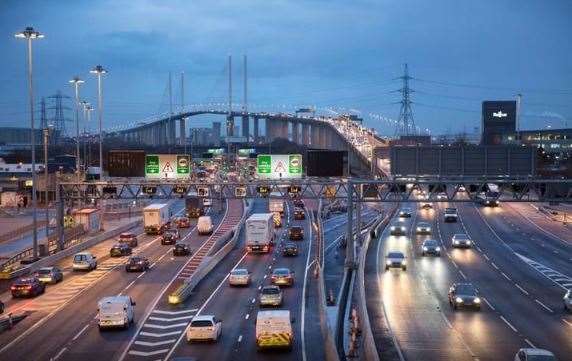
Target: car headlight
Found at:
x=456, y=242
x=477, y=300
x=468, y=242
x=438, y=249
x=418, y=229
x=425, y=248
x=403, y=262
x=388, y=262
x=392, y=228
x=459, y=300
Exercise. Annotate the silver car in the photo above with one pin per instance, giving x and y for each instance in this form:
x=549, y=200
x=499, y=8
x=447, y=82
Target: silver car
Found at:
x=423, y=228
x=395, y=259
x=50, y=275
x=461, y=240
x=239, y=277
x=430, y=246
x=398, y=229
x=270, y=296
x=568, y=300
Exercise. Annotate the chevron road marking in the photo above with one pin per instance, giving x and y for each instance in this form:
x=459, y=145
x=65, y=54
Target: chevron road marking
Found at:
x=151, y=334
x=158, y=343
x=175, y=312
x=150, y=325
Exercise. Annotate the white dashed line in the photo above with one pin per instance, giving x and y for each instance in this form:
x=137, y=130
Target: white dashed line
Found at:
x=505, y=276
x=239, y=338
x=59, y=354
x=521, y=289
x=508, y=324
x=487, y=257
x=488, y=303
x=494, y=265
x=529, y=343
x=80, y=332
x=129, y=285
x=253, y=300
x=544, y=306
x=462, y=274
x=567, y=322
x=247, y=316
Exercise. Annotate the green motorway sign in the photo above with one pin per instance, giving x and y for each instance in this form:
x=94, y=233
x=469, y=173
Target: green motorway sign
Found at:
x=183, y=165
x=264, y=164
x=152, y=164
x=295, y=164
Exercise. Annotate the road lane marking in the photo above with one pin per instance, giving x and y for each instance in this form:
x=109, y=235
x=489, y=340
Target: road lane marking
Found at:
x=80, y=332
x=487, y=257
x=556, y=277
x=509, y=325
x=129, y=285
x=239, y=338
x=494, y=265
x=529, y=343
x=171, y=319
x=303, y=311
x=161, y=327
x=59, y=354
x=158, y=343
x=505, y=276
x=150, y=353
x=489, y=304
x=247, y=316
x=544, y=306
x=521, y=289
x=566, y=322
x=151, y=334
x=462, y=274
x=161, y=312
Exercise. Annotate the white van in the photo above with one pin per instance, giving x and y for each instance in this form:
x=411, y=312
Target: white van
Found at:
x=115, y=311
x=274, y=330
x=84, y=261
x=205, y=225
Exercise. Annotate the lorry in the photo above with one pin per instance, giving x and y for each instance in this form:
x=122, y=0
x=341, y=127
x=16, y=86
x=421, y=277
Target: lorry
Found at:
x=274, y=330
x=156, y=218
x=276, y=204
x=194, y=206
x=259, y=232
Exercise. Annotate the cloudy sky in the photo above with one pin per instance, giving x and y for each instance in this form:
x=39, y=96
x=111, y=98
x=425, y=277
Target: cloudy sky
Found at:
x=342, y=54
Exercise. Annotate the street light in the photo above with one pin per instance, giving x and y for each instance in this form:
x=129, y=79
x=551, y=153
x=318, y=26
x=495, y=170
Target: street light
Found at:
x=99, y=71
x=31, y=34
x=76, y=82
x=87, y=108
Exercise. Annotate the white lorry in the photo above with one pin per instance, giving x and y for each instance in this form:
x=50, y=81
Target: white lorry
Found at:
x=274, y=330
x=156, y=218
x=259, y=232
x=276, y=205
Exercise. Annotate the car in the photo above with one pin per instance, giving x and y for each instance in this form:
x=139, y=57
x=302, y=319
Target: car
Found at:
x=405, y=213
x=290, y=249
x=430, y=246
x=49, y=275
x=128, y=238
x=239, y=277
x=423, y=228
x=205, y=225
x=183, y=222
x=426, y=205
x=296, y=233
x=568, y=301
x=115, y=311
x=398, y=229
x=84, y=261
x=282, y=277
x=534, y=354
x=27, y=287
x=137, y=263
x=299, y=214
x=119, y=250
x=171, y=236
x=277, y=220
x=298, y=203
x=182, y=249
x=464, y=295
x=461, y=240
x=395, y=259
x=442, y=195
x=450, y=215
x=270, y=296
x=204, y=328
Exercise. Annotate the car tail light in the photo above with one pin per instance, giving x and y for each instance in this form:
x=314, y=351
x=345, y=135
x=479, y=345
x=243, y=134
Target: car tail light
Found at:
x=265, y=248
x=249, y=249
x=274, y=278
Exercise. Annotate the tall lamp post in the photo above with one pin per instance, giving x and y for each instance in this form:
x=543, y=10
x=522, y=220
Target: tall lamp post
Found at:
x=76, y=82
x=31, y=34
x=86, y=110
x=99, y=71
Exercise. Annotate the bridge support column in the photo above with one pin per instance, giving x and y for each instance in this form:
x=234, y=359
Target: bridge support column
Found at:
x=284, y=129
x=172, y=132
x=255, y=130
x=295, y=132
x=246, y=127
x=323, y=137
x=315, y=141
x=305, y=134
x=182, y=131
x=229, y=125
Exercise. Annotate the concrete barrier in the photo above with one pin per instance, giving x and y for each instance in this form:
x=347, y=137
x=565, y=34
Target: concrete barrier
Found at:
x=210, y=262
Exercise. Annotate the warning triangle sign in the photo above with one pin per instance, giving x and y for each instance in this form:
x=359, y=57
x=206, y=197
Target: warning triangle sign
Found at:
x=168, y=168
x=280, y=167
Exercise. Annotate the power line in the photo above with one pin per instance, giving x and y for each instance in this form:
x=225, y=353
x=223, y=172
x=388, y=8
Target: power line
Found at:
x=477, y=86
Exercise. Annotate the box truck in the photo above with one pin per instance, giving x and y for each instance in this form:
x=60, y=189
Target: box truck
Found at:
x=276, y=204
x=259, y=232
x=156, y=218
x=274, y=330
x=194, y=206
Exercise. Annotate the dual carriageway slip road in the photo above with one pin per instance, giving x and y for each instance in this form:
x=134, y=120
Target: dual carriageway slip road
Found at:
x=520, y=265
x=62, y=324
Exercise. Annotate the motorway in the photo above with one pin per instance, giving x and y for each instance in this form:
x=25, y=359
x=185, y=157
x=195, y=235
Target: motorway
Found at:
x=61, y=323
x=521, y=265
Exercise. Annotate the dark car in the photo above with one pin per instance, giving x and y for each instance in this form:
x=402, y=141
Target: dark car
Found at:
x=49, y=275
x=183, y=222
x=296, y=233
x=181, y=249
x=137, y=264
x=430, y=246
x=290, y=249
x=464, y=295
x=27, y=287
x=170, y=237
x=405, y=213
x=299, y=214
x=119, y=250
x=298, y=203
x=128, y=238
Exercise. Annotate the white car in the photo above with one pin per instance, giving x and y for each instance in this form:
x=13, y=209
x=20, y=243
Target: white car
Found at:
x=205, y=225
x=395, y=259
x=461, y=240
x=204, y=328
x=84, y=261
x=423, y=228
x=239, y=277
x=534, y=354
x=568, y=300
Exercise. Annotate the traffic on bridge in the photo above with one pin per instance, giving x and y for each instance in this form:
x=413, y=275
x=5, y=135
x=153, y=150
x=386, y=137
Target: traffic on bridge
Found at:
x=234, y=226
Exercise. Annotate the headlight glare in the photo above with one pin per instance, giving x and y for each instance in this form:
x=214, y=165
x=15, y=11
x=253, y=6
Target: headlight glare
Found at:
x=459, y=300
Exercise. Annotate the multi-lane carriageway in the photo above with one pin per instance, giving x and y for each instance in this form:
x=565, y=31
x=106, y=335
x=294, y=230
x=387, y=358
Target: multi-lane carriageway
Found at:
x=521, y=265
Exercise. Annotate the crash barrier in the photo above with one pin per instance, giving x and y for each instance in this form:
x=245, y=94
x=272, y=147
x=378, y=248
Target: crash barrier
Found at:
x=208, y=263
x=74, y=246
x=20, y=231
x=557, y=215
x=70, y=235
x=361, y=315
x=9, y=320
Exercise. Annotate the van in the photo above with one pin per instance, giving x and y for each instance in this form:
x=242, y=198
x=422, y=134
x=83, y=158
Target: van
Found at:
x=274, y=330
x=115, y=311
x=205, y=225
x=84, y=261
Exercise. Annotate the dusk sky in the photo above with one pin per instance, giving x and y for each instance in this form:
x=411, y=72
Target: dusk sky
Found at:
x=343, y=54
